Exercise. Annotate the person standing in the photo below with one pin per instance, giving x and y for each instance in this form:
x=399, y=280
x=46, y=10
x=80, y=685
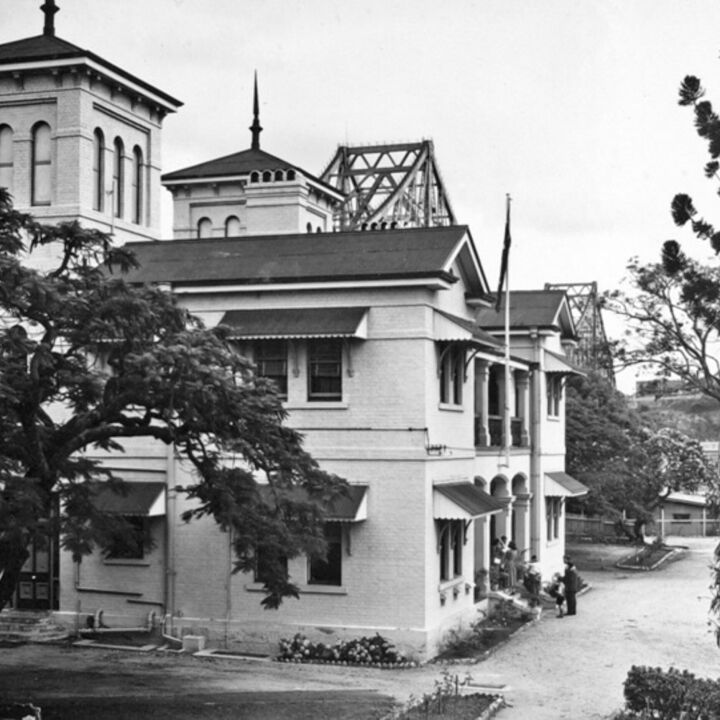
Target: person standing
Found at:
x=572, y=585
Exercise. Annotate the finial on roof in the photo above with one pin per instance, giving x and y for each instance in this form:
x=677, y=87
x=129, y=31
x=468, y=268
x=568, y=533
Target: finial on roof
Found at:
x=255, y=128
x=49, y=9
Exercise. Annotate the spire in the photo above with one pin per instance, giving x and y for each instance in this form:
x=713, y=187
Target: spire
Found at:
x=255, y=128
x=49, y=9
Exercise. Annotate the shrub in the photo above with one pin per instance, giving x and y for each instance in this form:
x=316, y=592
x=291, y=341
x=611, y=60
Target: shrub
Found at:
x=668, y=695
x=375, y=650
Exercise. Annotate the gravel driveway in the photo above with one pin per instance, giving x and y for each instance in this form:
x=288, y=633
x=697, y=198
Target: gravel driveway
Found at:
x=558, y=668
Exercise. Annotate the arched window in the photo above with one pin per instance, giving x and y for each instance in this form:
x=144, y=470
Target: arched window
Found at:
x=137, y=186
x=232, y=226
x=308, y=227
x=98, y=170
x=6, y=157
x=254, y=177
x=118, y=178
x=267, y=176
x=290, y=175
x=278, y=175
x=41, y=165
x=204, y=228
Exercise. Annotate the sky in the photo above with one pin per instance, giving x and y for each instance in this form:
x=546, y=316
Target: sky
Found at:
x=568, y=106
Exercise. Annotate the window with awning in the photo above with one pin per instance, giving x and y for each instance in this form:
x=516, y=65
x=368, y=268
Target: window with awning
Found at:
x=134, y=499
x=560, y=484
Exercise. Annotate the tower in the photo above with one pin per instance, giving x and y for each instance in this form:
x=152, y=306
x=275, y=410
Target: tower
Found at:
x=79, y=136
x=250, y=192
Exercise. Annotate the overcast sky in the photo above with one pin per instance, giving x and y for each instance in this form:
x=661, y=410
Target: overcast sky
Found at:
x=568, y=106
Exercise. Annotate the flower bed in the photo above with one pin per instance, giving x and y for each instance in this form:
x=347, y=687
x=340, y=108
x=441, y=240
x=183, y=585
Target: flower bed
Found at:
x=374, y=651
x=647, y=558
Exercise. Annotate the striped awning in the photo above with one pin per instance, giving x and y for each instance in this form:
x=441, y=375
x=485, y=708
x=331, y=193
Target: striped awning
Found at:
x=350, y=507
x=463, y=501
x=555, y=363
x=289, y=323
x=139, y=499
x=560, y=484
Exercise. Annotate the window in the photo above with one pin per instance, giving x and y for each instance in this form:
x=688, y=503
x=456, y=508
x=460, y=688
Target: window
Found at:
x=129, y=544
x=279, y=176
x=452, y=369
x=204, y=228
x=98, y=170
x=137, y=186
x=554, y=394
x=41, y=165
x=329, y=570
x=6, y=157
x=450, y=548
x=254, y=177
x=232, y=226
x=290, y=175
x=271, y=362
x=119, y=178
x=267, y=176
x=324, y=370
x=553, y=510
x=264, y=562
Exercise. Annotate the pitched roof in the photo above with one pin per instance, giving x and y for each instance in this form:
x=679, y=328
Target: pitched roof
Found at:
x=529, y=308
x=50, y=47
x=307, y=257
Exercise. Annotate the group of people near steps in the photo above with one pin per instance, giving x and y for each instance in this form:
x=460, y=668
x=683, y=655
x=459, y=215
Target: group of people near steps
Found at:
x=511, y=571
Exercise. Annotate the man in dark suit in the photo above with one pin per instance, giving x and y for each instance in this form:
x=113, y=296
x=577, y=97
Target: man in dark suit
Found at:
x=572, y=585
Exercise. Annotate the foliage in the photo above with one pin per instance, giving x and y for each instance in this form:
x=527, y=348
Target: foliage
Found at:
x=629, y=467
x=374, y=650
x=668, y=695
x=90, y=359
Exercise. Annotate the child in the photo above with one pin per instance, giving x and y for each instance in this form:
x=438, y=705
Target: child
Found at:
x=557, y=591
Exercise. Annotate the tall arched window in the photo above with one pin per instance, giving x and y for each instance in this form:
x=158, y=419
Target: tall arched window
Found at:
x=118, y=178
x=98, y=170
x=41, y=165
x=6, y=157
x=137, y=186
x=204, y=227
x=232, y=226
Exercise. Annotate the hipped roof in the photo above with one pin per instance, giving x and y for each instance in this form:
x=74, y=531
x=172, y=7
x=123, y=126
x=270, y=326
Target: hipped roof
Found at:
x=414, y=253
x=41, y=48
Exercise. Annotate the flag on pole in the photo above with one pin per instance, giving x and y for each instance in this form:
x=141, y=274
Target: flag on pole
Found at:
x=505, y=257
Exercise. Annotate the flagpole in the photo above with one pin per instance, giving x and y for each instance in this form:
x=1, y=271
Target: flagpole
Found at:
x=507, y=419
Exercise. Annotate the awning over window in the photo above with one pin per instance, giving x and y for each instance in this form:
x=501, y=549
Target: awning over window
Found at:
x=555, y=363
x=463, y=501
x=144, y=499
x=351, y=507
x=450, y=328
x=560, y=484
x=288, y=323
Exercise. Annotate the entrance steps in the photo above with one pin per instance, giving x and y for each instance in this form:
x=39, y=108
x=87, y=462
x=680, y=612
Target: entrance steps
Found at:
x=519, y=599
x=29, y=626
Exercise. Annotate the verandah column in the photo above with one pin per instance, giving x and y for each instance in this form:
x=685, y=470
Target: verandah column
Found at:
x=482, y=430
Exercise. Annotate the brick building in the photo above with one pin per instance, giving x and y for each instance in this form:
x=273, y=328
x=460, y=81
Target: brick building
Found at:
x=385, y=344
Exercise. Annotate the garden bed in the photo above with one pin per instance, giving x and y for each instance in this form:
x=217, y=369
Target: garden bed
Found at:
x=648, y=557
x=459, y=707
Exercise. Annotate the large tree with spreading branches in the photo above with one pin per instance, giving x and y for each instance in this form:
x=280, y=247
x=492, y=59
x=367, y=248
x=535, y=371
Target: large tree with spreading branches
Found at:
x=88, y=360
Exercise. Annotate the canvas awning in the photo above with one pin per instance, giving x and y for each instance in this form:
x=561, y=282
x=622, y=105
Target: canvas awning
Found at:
x=555, y=363
x=351, y=507
x=289, y=323
x=560, y=484
x=463, y=501
x=450, y=328
x=140, y=499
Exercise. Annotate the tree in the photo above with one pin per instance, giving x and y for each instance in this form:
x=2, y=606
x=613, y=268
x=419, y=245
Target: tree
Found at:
x=88, y=359
x=630, y=466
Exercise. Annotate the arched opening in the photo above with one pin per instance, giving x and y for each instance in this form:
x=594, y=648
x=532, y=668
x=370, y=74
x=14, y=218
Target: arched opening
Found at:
x=232, y=226
x=6, y=157
x=204, y=228
x=290, y=175
x=137, y=185
x=254, y=177
x=98, y=170
x=41, y=190
x=279, y=177
x=118, y=178
x=267, y=176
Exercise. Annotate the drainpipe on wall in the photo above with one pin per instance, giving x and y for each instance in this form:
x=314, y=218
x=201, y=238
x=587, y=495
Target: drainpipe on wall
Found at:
x=78, y=605
x=170, y=517
x=536, y=484
x=228, y=587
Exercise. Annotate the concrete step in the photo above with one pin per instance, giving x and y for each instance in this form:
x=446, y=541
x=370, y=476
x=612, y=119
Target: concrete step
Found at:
x=30, y=627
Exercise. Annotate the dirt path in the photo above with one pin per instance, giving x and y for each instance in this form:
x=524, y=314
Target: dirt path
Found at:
x=569, y=668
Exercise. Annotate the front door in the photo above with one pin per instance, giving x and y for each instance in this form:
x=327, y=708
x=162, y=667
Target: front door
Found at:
x=38, y=585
